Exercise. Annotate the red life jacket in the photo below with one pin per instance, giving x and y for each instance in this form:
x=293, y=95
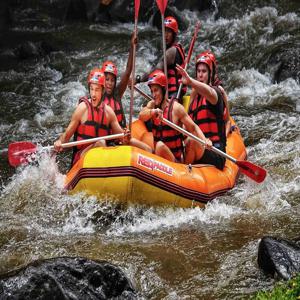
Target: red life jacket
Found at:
x=207, y=117
x=116, y=105
x=169, y=136
x=95, y=125
x=173, y=76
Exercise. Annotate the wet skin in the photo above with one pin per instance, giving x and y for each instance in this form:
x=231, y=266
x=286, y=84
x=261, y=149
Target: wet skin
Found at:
x=96, y=94
x=202, y=73
x=110, y=82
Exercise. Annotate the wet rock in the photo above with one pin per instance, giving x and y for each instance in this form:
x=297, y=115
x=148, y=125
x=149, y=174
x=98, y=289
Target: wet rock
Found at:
x=67, y=278
x=279, y=257
x=46, y=13
x=77, y=10
x=38, y=13
x=289, y=66
x=4, y=15
x=282, y=64
x=193, y=4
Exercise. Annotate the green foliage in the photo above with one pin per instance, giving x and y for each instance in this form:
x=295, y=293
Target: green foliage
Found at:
x=282, y=291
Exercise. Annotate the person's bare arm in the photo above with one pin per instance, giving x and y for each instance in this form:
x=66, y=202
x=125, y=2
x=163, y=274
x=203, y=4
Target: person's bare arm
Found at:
x=70, y=130
x=147, y=112
x=225, y=98
x=126, y=75
x=189, y=125
x=193, y=94
x=170, y=56
x=201, y=88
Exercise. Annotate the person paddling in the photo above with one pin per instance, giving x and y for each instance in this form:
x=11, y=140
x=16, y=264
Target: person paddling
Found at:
x=207, y=110
x=168, y=142
x=91, y=118
x=174, y=55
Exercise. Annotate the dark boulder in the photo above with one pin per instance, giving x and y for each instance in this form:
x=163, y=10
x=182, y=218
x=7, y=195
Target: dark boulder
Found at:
x=288, y=63
x=49, y=14
x=193, y=4
x=37, y=13
x=4, y=15
x=278, y=257
x=67, y=278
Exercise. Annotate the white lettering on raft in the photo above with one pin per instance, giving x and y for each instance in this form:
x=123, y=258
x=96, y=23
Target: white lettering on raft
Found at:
x=153, y=164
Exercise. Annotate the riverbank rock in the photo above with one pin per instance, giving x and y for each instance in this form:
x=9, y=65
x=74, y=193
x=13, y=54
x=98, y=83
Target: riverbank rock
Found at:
x=279, y=257
x=67, y=278
x=287, y=64
x=53, y=13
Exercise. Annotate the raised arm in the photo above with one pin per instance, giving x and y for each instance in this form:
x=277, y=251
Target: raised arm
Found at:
x=200, y=87
x=126, y=75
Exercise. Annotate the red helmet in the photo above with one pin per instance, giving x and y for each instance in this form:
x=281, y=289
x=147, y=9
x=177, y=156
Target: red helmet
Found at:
x=210, y=55
x=96, y=76
x=205, y=59
x=158, y=77
x=171, y=23
x=109, y=67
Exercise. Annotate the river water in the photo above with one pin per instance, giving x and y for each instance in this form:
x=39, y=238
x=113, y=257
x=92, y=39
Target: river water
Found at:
x=168, y=253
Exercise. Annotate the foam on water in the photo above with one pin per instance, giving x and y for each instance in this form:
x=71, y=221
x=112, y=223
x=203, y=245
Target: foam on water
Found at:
x=158, y=220
x=258, y=24
x=255, y=89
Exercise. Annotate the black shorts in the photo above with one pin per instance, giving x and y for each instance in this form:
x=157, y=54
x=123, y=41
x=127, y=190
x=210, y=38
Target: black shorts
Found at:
x=212, y=158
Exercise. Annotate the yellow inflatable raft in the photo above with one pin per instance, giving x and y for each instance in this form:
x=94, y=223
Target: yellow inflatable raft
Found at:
x=132, y=175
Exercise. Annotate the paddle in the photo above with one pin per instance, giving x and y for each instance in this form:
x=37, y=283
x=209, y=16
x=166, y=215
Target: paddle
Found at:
x=19, y=152
x=136, y=14
x=188, y=58
x=162, y=4
x=251, y=170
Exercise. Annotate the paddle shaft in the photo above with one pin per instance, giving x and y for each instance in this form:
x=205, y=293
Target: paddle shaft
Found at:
x=143, y=93
x=188, y=58
x=136, y=15
x=132, y=76
x=164, y=51
x=87, y=141
x=212, y=148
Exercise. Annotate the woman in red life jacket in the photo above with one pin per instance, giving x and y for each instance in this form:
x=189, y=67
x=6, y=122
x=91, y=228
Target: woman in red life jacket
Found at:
x=217, y=82
x=207, y=111
x=91, y=118
x=168, y=142
x=113, y=91
x=175, y=56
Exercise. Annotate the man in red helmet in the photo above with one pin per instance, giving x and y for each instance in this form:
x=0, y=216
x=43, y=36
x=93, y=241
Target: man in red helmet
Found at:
x=113, y=91
x=174, y=55
x=207, y=111
x=91, y=118
x=168, y=142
